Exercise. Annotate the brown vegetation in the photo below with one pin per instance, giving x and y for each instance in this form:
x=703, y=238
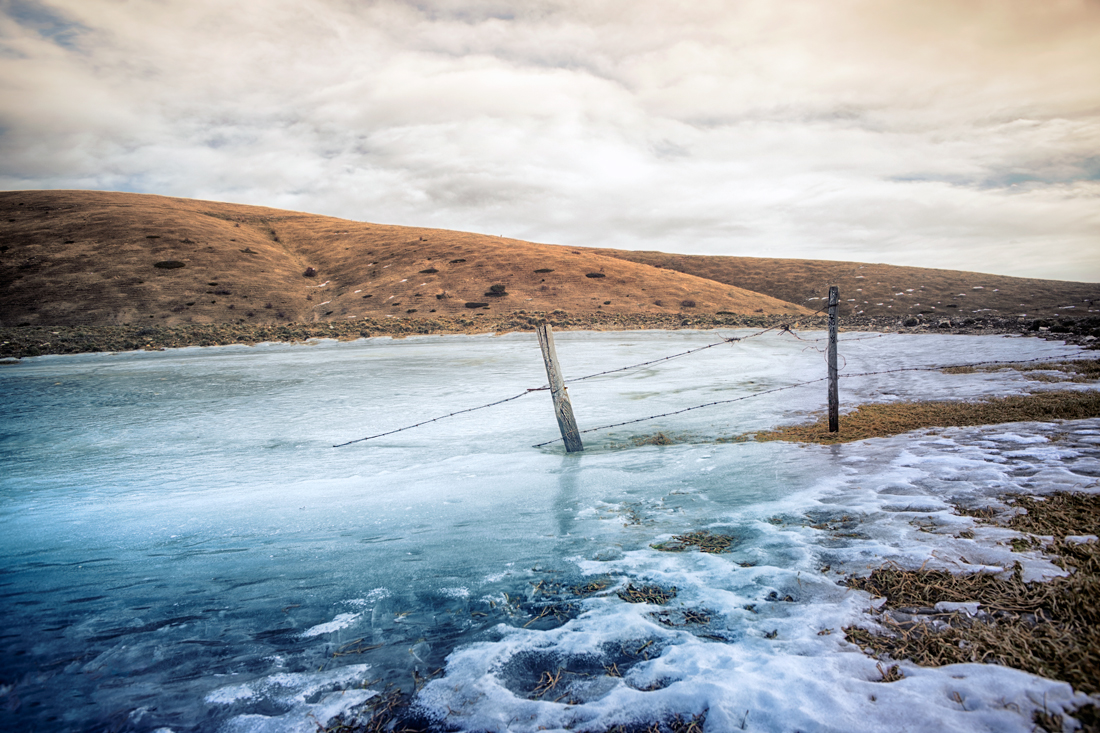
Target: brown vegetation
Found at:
x=70, y=258
x=1074, y=370
x=1046, y=628
x=97, y=258
x=704, y=540
x=883, y=290
x=37, y=340
x=893, y=418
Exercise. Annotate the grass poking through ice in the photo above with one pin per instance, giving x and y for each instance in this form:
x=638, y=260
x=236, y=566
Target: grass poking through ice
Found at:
x=646, y=594
x=704, y=540
x=1074, y=370
x=1047, y=628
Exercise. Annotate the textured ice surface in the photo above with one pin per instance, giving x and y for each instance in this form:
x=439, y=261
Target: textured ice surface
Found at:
x=182, y=548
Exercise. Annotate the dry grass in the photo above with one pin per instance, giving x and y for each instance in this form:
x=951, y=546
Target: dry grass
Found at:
x=89, y=258
x=387, y=712
x=658, y=439
x=881, y=290
x=1055, y=514
x=676, y=724
x=704, y=540
x=882, y=420
x=646, y=594
x=592, y=587
x=1075, y=370
x=1046, y=628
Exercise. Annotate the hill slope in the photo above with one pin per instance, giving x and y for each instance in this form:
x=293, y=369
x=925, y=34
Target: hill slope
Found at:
x=89, y=258
x=883, y=290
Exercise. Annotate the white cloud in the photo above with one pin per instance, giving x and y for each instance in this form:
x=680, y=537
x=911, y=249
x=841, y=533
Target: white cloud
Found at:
x=945, y=134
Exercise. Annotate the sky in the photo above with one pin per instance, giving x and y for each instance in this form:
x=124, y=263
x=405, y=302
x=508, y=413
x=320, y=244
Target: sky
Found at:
x=961, y=134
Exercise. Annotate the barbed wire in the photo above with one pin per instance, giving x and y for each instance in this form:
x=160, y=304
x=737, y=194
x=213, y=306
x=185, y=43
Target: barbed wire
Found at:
x=546, y=387
x=784, y=328
x=725, y=340
x=442, y=417
x=653, y=361
x=813, y=381
x=840, y=340
x=689, y=409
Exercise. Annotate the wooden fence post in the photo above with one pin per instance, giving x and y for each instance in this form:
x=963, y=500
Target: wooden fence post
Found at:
x=563, y=409
x=834, y=399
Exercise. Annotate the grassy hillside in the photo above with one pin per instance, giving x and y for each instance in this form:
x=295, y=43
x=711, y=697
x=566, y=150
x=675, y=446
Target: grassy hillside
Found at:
x=90, y=258
x=884, y=290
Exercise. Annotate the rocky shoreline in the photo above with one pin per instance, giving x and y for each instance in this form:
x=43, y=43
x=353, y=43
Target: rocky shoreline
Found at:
x=26, y=341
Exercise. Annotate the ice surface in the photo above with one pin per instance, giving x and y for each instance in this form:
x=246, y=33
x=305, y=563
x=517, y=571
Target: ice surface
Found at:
x=183, y=549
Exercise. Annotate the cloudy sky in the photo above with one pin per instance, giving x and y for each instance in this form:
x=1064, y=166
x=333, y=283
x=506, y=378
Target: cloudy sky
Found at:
x=944, y=133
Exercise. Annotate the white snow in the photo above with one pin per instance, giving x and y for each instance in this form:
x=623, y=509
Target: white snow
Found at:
x=342, y=621
x=293, y=692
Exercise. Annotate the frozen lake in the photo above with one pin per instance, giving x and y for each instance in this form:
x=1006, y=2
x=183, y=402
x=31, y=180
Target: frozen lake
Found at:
x=181, y=547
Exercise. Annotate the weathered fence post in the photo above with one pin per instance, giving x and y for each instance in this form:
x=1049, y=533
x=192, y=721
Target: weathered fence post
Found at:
x=563, y=409
x=834, y=399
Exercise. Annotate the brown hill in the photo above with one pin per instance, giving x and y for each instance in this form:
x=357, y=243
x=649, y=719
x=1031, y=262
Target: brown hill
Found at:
x=72, y=258
x=883, y=290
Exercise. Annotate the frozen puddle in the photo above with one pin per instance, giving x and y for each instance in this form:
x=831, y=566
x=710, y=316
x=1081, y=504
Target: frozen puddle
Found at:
x=183, y=550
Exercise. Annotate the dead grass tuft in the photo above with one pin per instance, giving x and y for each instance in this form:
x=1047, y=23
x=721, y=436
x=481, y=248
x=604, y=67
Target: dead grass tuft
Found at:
x=1087, y=715
x=676, y=724
x=882, y=420
x=658, y=439
x=592, y=587
x=387, y=712
x=891, y=674
x=1075, y=370
x=646, y=594
x=704, y=540
x=1053, y=514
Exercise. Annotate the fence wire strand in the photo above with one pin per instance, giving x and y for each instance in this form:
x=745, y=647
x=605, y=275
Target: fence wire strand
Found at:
x=443, y=417
x=689, y=409
x=814, y=381
x=783, y=328
x=725, y=340
x=546, y=387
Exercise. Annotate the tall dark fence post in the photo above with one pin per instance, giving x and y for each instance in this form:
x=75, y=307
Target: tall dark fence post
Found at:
x=563, y=409
x=834, y=399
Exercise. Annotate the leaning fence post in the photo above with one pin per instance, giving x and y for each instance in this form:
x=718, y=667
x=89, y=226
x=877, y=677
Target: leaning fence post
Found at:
x=834, y=399
x=563, y=409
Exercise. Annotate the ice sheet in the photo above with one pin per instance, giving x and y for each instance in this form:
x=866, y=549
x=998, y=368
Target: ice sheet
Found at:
x=183, y=548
